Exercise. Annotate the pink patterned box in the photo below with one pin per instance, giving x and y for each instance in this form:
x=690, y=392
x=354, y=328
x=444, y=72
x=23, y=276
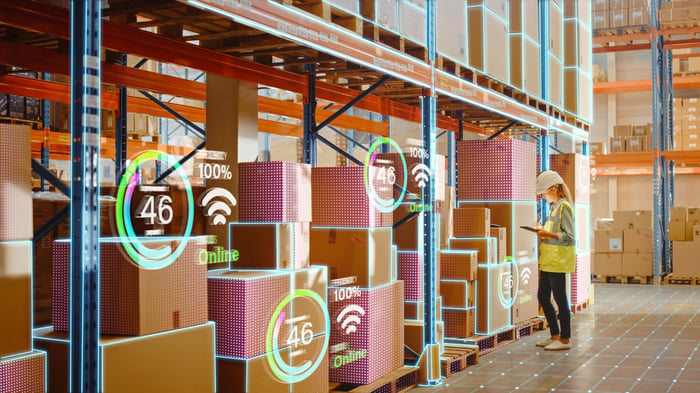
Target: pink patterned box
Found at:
x=274, y=192
x=340, y=198
x=243, y=305
x=410, y=268
x=575, y=169
x=367, y=333
x=15, y=183
x=135, y=301
x=496, y=170
x=581, y=280
x=24, y=373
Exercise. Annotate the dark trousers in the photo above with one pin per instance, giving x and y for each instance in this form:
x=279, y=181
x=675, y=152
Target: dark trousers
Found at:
x=555, y=284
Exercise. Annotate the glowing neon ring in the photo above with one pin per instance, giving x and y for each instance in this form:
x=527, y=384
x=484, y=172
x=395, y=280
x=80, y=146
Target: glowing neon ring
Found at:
x=504, y=302
x=143, y=256
x=383, y=205
x=286, y=373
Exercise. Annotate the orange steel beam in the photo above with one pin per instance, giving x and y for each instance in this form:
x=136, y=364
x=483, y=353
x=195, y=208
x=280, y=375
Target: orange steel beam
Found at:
x=643, y=159
x=642, y=171
x=685, y=82
x=607, y=39
x=35, y=16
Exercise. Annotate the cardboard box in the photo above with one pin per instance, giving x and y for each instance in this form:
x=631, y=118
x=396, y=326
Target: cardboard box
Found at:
x=679, y=214
x=696, y=232
x=378, y=334
x=524, y=19
x=486, y=247
x=685, y=259
x=412, y=21
x=178, y=361
x=638, y=16
x=494, y=298
x=556, y=29
x=600, y=5
x=451, y=40
x=256, y=374
x=392, y=162
x=601, y=19
x=638, y=240
x=617, y=144
x=487, y=37
x=608, y=241
x=525, y=64
x=608, y=264
x=459, y=323
x=340, y=198
x=414, y=310
x=618, y=4
x=414, y=335
x=525, y=304
x=16, y=292
x=635, y=144
x=408, y=236
x=597, y=148
x=472, y=222
x=693, y=218
x=410, y=271
x=556, y=82
x=24, y=373
x=576, y=173
x=582, y=221
x=131, y=296
x=15, y=183
x=242, y=303
x=458, y=265
x=270, y=245
x=362, y=253
x=502, y=242
x=456, y=294
x=278, y=192
x=638, y=264
x=387, y=14
x=446, y=218
x=632, y=219
x=619, y=18
x=622, y=130
x=581, y=279
x=676, y=231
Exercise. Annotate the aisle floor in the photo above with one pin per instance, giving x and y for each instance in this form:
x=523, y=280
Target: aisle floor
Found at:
x=635, y=338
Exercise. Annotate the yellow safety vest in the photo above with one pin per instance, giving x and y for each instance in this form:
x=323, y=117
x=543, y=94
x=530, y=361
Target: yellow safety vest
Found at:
x=556, y=256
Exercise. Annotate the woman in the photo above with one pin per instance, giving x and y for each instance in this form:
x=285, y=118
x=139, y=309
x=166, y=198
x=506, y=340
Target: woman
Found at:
x=557, y=257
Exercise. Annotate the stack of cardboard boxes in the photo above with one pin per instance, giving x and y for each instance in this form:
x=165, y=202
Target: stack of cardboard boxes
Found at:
x=21, y=368
x=684, y=231
x=578, y=78
x=686, y=126
x=631, y=138
x=609, y=14
x=677, y=13
x=627, y=249
x=351, y=234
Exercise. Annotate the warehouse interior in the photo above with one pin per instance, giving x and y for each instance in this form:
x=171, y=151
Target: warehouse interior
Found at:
x=349, y=196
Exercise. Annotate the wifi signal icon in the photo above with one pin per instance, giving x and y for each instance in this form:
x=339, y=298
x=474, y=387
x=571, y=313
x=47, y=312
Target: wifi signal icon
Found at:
x=422, y=174
x=217, y=210
x=525, y=275
x=349, y=324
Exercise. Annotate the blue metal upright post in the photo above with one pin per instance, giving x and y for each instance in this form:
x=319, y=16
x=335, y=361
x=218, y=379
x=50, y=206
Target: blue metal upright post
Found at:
x=86, y=36
x=544, y=48
x=121, y=131
x=46, y=106
x=543, y=150
x=310, y=116
x=45, y=164
x=428, y=196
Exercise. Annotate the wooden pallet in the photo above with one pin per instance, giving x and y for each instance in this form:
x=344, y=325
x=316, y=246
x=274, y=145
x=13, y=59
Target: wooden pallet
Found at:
x=378, y=33
x=671, y=280
x=456, y=358
x=580, y=307
x=620, y=279
x=505, y=337
x=678, y=24
x=329, y=13
x=529, y=328
x=396, y=381
x=620, y=30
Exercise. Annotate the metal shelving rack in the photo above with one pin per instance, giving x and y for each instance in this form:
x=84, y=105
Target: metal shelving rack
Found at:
x=277, y=20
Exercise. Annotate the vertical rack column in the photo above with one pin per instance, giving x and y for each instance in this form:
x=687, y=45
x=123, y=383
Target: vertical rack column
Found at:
x=86, y=38
x=309, y=142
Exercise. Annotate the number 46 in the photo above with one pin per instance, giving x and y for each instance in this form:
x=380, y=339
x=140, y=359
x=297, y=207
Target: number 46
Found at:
x=147, y=209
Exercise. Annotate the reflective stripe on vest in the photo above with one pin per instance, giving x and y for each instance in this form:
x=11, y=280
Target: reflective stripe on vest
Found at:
x=556, y=256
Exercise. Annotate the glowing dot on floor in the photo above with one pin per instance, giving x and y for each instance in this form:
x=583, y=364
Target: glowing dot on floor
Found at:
x=502, y=374
x=596, y=355
x=517, y=388
x=616, y=366
x=682, y=368
x=639, y=379
x=490, y=361
x=674, y=381
x=521, y=362
x=551, y=364
x=535, y=374
x=603, y=377
x=569, y=376
x=470, y=373
x=553, y=389
x=481, y=387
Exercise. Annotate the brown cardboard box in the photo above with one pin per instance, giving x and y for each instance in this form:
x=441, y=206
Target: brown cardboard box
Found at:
x=524, y=18
x=638, y=240
x=458, y=265
x=24, y=373
x=637, y=264
x=622, y=130
x=459, y=323
x=446, y=219
x=608, y=241
x=487, y=37
x=16, y=294
x=647, y=143
x=556, y=81
x=600, y=5
x=575, y=171
x=500, y=235
x=685, y=259
x=364, y=253
x=108, y=120
x=414, y=310
x=601, y=19
x=676, y=231
x=679, y=214
x=456, y=294
x=597, y=148
x=632, y=219
x=524, y=63
x=640, y=129
x=638, y=16
x=696, y=232
x=494, y=298
x=405, y=236
x=618, y=4
x=175, y=361
x=486, y=247
x=270, y=245
x=619, y=18
x=617, y=144
x=472, y=222
x=451, y=31
x=635, y=144
x=608, y=264
x=525, y=305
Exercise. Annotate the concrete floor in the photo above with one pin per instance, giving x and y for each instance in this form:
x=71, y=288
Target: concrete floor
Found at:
x=635, y=338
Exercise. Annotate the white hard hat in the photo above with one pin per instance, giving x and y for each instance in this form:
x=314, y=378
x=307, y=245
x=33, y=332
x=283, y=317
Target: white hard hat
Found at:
x=546, y=180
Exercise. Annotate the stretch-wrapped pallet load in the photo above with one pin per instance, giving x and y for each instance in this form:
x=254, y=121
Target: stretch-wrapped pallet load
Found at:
x=176, y=361
x=25, y=373
x=494, y=298
x=274, y=192
x=496, y=170
x=367, y=337
x=135, y=300
x=524, y=38
x=15, y=183
x=487, y=23
x=269, y=323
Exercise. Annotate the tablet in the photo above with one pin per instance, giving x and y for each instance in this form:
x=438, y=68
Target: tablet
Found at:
x=528, y=228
